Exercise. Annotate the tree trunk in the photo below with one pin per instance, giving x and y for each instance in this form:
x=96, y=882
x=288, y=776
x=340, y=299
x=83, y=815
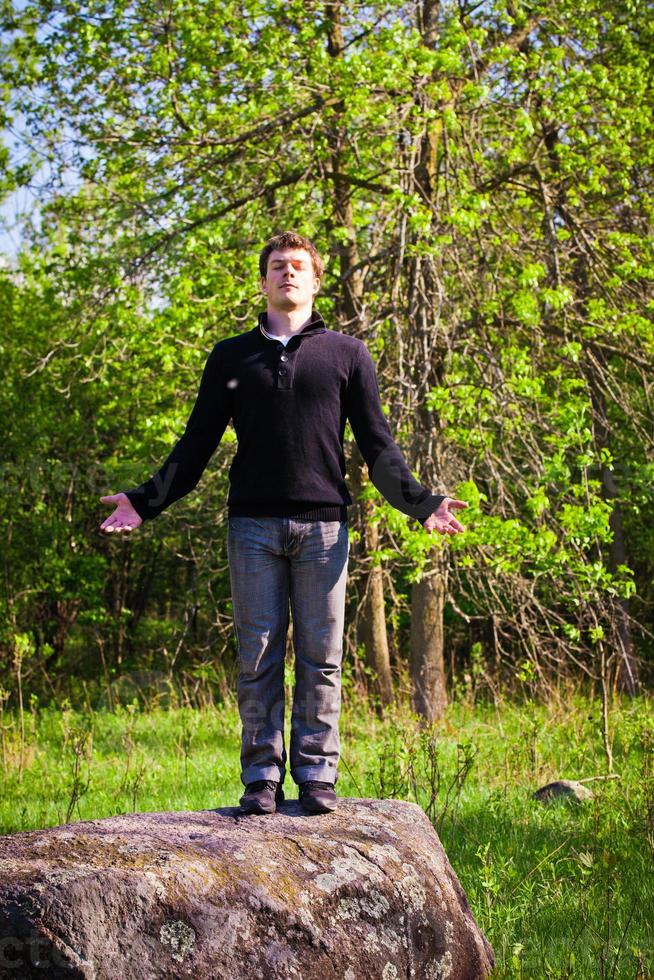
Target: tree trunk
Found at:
x=429, y=697
x=372, y=625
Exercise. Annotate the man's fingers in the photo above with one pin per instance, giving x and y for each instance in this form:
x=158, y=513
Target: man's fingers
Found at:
x=444, y=528
x=114, y=524
x=452, y=527
x=456, y=504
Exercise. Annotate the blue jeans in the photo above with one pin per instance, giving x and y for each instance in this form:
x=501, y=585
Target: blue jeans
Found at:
x=273, y=560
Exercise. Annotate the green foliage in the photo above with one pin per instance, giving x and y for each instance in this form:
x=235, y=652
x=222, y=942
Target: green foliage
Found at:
x=494, y=176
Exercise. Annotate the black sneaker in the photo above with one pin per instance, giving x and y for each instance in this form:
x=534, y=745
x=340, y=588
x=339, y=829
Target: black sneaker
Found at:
x=316, y=797
x=262, y=797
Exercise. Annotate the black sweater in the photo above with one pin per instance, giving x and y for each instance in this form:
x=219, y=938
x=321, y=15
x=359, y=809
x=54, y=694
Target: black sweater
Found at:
x=288, y=406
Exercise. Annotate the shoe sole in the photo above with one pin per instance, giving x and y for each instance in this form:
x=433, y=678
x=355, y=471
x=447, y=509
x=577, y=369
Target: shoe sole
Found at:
x=318, y=809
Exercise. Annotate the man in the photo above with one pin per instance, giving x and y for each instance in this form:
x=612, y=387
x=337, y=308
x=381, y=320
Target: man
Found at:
x=288, y=385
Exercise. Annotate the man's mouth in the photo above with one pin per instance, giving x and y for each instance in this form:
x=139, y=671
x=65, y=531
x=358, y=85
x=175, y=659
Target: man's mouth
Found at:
x=288, y=285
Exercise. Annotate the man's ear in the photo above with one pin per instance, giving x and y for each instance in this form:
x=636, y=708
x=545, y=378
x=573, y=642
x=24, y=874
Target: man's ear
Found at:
x=316, y=286
x=263, y=282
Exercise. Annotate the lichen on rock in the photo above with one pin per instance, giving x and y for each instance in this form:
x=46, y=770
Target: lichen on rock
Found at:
x=178, y=937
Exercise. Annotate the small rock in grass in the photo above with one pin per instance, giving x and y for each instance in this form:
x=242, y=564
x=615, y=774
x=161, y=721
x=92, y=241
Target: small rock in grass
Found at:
x=568, y=789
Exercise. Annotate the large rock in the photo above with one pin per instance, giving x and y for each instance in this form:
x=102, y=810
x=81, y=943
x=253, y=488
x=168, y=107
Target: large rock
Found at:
x=364, y=892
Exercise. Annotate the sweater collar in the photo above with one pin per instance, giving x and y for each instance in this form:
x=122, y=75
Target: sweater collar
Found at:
x=315, y=325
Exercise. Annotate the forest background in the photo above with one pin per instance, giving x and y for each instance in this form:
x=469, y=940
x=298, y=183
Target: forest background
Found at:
x=478, y=177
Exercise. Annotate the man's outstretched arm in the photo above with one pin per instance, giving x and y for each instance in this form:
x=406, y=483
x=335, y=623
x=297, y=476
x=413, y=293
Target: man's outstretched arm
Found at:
x=387, y=467
x=183, y=468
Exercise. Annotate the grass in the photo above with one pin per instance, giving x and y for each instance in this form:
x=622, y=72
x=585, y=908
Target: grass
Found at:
x=562, y=890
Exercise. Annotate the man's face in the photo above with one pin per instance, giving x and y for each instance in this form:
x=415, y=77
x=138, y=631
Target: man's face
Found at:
x=290, y=281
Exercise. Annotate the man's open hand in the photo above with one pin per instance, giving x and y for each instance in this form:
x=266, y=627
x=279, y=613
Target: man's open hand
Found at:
x=443, y=520
x=124, y=518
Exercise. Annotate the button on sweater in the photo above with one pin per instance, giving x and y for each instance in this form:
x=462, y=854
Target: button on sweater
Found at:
x=288, y=404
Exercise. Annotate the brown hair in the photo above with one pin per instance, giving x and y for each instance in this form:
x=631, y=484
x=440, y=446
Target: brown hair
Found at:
x=290, y=239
